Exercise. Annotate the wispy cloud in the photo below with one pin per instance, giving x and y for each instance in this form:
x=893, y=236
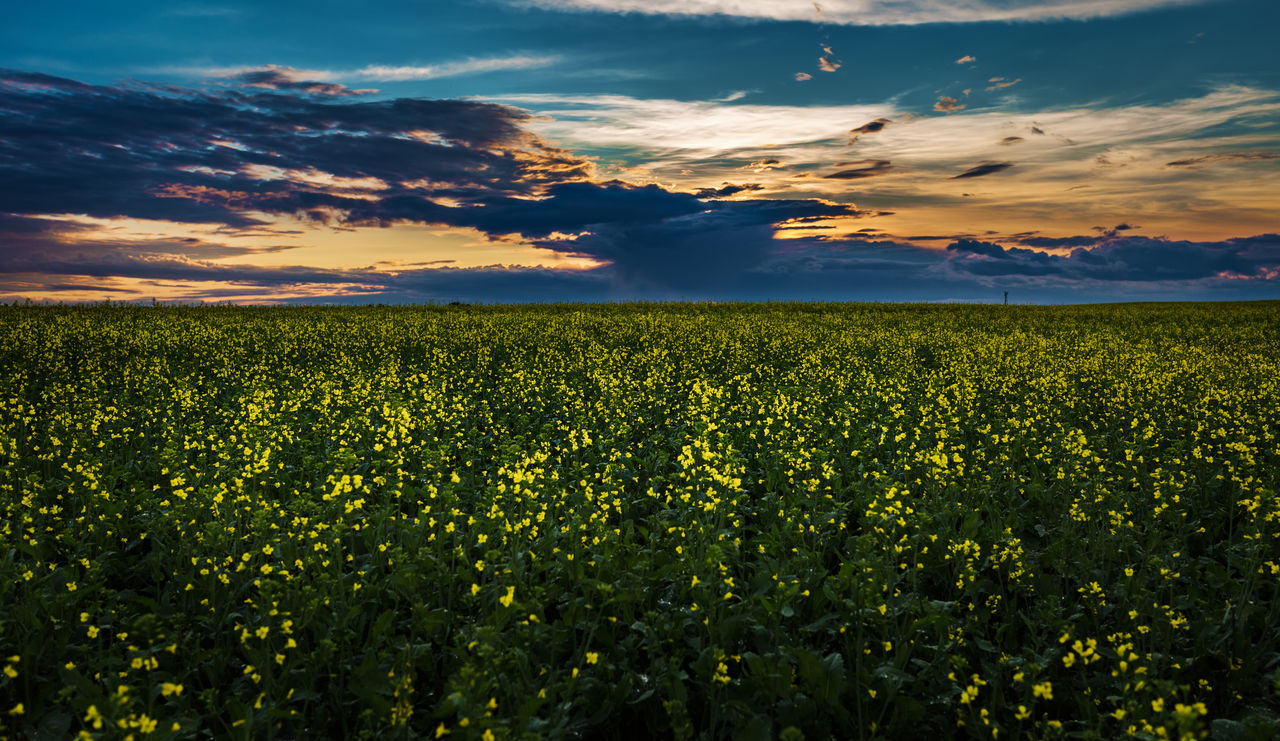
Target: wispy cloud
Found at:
x=1001, y=83
x=691, y=128
x=966, y=59
x=870, y=12
x=1208, y=159
x=860, y=169
x=986, y=168
x=268, y=73
x=387, y=73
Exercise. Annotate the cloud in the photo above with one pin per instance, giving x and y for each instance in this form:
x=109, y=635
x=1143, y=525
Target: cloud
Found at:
x=288, y=78
x=450, y=69
x=948, y=104
x=861, y=169
x=230, y=159
x=1001, y=84
x=827, y=62
x=273, y=77
x=726, y=190
x=803, y=76
x=702, y=250
x=73, y=156
x=870, y=12
x=692, y=143
x=986, y=168
x=65, y=237
x=219, y=156
x=1010, y=140
x=1209, y=159
x=719, y=253
x=691, y=128
x=966, y=59
x=763, y=165
x=871, y=127
x=1134, y=259
x=1084, y=240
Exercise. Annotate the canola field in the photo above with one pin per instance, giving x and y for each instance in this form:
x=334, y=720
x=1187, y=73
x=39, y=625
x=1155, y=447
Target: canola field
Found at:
x=758, y=521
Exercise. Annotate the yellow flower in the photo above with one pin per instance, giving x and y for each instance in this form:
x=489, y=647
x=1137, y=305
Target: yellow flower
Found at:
x=507, y=599
x=93, y=631
x=17, y=710
x=592, y=657
x=169, y=688
x=441, y=731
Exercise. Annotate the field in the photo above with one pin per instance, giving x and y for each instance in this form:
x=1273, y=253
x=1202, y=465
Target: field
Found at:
x=692, y=521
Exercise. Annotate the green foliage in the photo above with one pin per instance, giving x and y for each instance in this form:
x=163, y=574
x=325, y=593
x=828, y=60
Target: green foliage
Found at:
x=749, y=521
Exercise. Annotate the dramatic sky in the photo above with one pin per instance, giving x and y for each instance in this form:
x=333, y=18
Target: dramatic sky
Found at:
x=565, y=150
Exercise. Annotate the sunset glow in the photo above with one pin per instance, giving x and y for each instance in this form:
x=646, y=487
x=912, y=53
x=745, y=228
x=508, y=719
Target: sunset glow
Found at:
x=553, y=150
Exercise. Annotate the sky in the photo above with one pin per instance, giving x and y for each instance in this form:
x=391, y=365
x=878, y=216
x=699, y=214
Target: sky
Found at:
x=418, y=151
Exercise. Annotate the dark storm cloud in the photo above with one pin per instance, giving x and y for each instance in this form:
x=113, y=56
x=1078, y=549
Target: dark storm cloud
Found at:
x=199, y=156
x=735, y=258
x=1082, y=240
x=1140, y=259
x=709, y=247
x=217, y=157
x=862, y=169
x=986, y=168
